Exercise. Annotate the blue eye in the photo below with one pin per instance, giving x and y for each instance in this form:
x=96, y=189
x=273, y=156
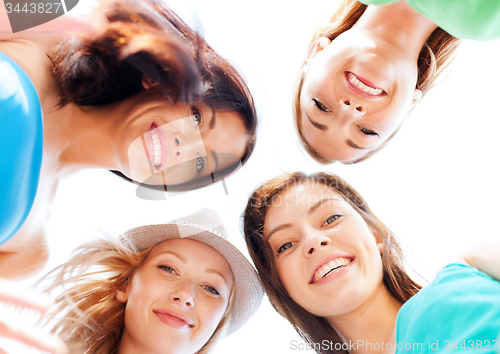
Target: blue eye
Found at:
x=321, y=106
x=284, y=247
x=331, y=219
x=200, y=163
x=198, y=119
x=211, y=289
x=168, y=269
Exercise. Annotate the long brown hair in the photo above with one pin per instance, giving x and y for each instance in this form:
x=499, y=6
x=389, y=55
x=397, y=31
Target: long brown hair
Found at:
x=314, y=329
x=146, y=38
x=435, y=56
x=87, y=315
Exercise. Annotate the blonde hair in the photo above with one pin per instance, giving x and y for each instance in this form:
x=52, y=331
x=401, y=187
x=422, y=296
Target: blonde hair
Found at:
x=435, y=56
x=87, y=315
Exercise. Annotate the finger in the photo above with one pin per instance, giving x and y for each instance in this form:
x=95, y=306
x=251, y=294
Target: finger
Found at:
x=42, y=341
x=13, y=294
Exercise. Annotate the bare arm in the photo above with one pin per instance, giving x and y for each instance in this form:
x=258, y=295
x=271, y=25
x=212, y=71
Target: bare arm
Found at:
x=484, y=256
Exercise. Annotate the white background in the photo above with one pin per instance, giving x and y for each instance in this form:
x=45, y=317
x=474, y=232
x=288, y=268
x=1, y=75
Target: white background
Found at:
x=435, y=185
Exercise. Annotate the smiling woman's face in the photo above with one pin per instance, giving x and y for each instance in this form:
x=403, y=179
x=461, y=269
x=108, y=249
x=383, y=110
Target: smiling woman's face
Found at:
x=355, y=94
x=326, y=255
x=177, y=143
x=175, y=299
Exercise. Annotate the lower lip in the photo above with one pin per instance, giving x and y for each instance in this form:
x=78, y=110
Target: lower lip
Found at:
x=334, y=275
x=171, y=321
x=357, y=91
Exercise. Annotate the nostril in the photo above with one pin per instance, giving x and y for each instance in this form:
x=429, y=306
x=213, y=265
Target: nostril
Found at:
x=177, y=142
x=347, y=103
x=311, y=251
x=358, y=108
x=324, y=243
x=178, y=153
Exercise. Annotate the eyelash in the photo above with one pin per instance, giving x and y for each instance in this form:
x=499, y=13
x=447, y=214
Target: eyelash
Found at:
x=320, y=106
x=168, y=269
x=211, y=289
x=331, y=219
x=197, y=113
x=281, y=249
x=367, y=131
x=200, y=163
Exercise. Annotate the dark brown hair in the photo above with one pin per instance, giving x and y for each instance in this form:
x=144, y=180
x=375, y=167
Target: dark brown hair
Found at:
x=435, y=56
x=146, y=38
x=314, y=329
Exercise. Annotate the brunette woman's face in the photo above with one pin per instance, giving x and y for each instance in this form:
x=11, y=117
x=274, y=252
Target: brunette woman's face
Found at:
x=355, y=94
x=327, y=257
x=176, y=143
x=175, y=299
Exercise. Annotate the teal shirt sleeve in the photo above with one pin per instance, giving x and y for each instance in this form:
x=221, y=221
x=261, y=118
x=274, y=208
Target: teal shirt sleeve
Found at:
x=458, y=312
x=469, y=19
x=21, y=144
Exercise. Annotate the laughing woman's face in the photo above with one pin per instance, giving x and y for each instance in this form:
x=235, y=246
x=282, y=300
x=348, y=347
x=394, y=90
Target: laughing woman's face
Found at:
x=355, y=94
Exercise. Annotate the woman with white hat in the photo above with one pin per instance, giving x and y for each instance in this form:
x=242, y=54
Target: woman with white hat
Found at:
x=170, y=288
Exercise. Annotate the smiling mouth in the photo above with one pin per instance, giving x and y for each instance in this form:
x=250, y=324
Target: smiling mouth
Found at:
x=330, y=268
x=156, y=146
x=364, y=86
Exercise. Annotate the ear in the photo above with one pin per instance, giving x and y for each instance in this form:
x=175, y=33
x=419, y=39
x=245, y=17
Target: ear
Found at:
x=417, y=96
x=121, y=293
x=147, y=82
x=317, y=46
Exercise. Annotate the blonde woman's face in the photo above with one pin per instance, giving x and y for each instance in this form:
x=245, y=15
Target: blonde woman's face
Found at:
x=355, y=95
x=175, y=299
x=326, y=256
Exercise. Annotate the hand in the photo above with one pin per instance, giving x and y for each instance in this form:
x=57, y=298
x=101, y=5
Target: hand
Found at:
x=11, y=294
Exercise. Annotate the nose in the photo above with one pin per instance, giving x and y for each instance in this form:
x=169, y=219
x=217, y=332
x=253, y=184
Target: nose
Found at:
x=349, y=106
x=183, y=295
x=185, y=147
x=314, y=243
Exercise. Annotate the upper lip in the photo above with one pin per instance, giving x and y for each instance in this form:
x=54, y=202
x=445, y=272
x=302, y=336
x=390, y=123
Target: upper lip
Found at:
x=327, y=259
x=176, y=314
x=360, y=93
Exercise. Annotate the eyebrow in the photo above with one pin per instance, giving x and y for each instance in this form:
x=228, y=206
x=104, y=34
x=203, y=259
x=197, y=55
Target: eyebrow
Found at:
x=353, y=145
x=313, y=208
x=211, y=124
x=316, y=124
x=215, y=271
x=279, y=228
x=181, y=258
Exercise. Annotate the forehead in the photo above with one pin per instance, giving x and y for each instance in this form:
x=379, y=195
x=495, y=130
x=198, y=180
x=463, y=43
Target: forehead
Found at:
x=305, y=195
x=195, y=252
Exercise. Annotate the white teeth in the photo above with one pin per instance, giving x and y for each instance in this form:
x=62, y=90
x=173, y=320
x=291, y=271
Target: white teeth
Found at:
x=330, y=267
x=157, y=152
x=367, y=89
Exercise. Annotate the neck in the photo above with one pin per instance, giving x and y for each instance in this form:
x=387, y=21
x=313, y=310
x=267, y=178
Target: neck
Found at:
x=398, y=25
x=372, y=324
x=80, y=138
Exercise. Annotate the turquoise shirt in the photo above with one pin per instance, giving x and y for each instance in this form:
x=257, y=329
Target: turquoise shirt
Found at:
x=471, y=19
x=458, y=312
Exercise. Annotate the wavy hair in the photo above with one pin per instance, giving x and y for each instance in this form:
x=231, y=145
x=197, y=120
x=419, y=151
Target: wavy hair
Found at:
x=314, y=329
x=435, y=56
x=87, y=315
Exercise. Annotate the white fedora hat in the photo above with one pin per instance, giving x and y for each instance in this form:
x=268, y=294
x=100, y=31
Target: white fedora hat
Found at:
x=205, y=226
